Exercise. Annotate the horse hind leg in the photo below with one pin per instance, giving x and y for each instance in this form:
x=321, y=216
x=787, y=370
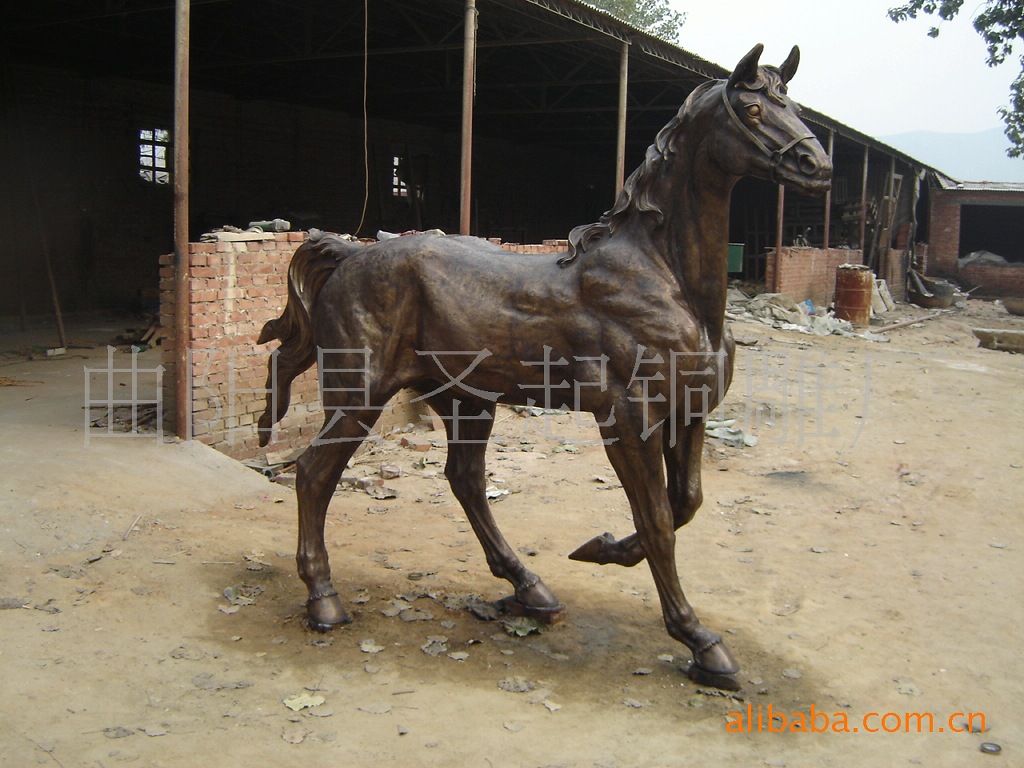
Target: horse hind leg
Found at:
x=465, y=470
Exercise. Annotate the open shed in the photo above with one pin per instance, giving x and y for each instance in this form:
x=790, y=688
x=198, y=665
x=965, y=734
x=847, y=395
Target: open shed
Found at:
x=131, y=128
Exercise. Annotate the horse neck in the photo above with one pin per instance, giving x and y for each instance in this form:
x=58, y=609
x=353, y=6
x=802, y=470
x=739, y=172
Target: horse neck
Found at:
x=694, y=238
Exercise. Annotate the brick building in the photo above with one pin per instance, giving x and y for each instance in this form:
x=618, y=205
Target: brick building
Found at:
x=978, y=217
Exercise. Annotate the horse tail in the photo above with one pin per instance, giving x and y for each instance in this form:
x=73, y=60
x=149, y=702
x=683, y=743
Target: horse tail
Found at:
x=312, y=264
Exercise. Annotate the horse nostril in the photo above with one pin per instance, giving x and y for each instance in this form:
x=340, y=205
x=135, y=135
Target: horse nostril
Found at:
x=807, y=163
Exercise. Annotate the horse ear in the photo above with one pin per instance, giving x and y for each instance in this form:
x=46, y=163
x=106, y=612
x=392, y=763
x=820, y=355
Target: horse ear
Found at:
x=788, y=68
x=746, y=70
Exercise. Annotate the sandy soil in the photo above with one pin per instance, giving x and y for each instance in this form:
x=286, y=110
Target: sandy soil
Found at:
x=863, y=557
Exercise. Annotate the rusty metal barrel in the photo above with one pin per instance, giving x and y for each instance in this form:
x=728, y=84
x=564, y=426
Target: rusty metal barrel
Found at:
x=854, y=284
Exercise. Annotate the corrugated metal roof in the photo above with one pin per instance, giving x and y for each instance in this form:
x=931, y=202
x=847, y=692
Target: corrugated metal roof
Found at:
x=945, y=182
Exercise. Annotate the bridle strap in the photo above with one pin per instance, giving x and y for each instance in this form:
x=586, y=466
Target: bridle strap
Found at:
x=774, y=156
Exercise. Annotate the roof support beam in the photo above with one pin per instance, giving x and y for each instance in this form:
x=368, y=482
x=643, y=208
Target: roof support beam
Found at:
x=182, y=314
x=468, y=84
x=828, y=193
x=620, y=139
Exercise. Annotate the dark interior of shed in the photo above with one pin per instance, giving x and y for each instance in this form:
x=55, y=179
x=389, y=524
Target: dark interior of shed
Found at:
x=998, y=229
x=279, y=129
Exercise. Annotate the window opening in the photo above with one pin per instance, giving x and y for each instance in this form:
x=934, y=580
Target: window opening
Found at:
x=154, y=146
x=398, y=186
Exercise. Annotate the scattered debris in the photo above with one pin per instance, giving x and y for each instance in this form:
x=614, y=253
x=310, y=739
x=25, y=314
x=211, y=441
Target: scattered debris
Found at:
x=435, y=645
x=243, y=594
x=907, y=688
x=416, y=444
x=124, y=418
x=729, y=434
x=375, y=709
x=206, y=682
x=1000, y=339
x=516, y=684
x=303, y=701
x=521, y=626
x=118, y=732
x=370, y=646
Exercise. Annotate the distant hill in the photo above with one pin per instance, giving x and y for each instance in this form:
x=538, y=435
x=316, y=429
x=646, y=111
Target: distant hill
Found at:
x=964, y=156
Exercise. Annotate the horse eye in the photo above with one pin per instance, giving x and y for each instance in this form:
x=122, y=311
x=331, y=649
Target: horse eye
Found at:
x=754, y=110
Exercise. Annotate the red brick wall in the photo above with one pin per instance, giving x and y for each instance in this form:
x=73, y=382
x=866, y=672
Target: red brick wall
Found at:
x=895, y=263
x=807, y=273
x=944, y=230
x=235, y=288
x=943, y=235
x=994, y=279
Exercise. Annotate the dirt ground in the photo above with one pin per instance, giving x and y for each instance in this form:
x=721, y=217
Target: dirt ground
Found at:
x=864, y=556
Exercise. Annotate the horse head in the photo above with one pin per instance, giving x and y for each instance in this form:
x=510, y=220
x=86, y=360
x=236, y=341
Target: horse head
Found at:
x=760, y=132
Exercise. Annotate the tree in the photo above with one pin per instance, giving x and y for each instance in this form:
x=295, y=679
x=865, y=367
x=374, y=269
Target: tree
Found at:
x=653, y=16
x=1000, y=24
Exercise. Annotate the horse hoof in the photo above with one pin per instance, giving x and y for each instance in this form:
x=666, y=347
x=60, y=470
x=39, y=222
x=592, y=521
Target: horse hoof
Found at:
x=716, y=659
x=701, y=676
x=597, y=550
x=545, y=614
x=325, y=612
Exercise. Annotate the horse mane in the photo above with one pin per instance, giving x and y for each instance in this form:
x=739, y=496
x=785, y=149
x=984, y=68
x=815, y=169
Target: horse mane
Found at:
x=638, y=194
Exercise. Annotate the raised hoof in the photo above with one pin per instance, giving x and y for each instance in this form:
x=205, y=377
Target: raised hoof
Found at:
x=545, y=614
x=604, y=550
x=326, y=612
x=701, y=676
x=595, y=550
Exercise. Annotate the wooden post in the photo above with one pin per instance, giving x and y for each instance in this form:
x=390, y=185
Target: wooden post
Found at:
x=828, y=195
x=620, y=141
x=468, y=88
x=864, y=206
x=182, y=313
x=778, y=221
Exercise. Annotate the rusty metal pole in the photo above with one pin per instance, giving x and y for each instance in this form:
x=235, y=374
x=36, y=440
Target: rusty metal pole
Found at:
x=620, y=141
x=182, y=314
x=864, y=206
x=780, y=215
x=828, y=195
x=468, y=92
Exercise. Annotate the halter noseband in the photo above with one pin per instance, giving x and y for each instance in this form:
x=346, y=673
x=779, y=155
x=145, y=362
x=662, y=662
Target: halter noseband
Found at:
x=774, y=156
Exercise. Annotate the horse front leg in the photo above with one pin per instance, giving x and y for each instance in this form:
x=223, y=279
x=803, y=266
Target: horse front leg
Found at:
x=682, y=454
x=638, y=466
x=468, y=433
x=317, y=473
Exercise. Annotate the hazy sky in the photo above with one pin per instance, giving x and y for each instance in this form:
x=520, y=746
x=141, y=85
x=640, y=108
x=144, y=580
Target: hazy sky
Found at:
x=859, y=67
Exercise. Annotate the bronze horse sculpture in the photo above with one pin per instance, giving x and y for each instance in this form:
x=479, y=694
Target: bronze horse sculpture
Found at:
x=633, y=314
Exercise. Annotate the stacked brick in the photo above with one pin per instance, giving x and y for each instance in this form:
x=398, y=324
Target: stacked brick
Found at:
x=993, y=279
x=547, y=246
x=807, y=273
x=235, y=288
x=944, y=235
